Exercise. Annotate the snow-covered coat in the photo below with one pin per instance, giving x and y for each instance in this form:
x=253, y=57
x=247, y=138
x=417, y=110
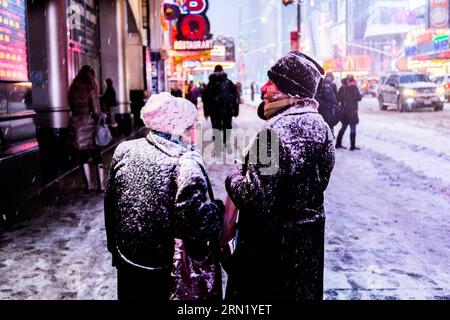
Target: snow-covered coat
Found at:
x=280, y=244
x=157, y=191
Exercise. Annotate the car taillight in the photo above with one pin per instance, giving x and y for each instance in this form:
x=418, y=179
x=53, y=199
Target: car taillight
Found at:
x=447, y=85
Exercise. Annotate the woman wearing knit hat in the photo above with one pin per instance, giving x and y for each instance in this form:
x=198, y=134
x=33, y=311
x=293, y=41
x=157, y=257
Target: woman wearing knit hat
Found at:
x=280, y=248
x=158, y=191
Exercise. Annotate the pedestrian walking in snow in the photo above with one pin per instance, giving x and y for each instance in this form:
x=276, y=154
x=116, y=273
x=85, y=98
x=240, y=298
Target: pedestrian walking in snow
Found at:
x=349, y=96
x=193, y=93
x=85, y=110
x=220, y=102
x=252, y=90
x=158, y=192
x=109, y=101
x=280, y=245
x=329, y=106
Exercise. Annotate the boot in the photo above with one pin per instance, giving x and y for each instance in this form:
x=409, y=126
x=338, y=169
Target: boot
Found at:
x=100, y=178
x=87, y=180
x=339, y=140
x=353, y=142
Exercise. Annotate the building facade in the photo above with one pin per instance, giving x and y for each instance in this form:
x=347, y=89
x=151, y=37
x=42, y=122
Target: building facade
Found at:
x=51, y=40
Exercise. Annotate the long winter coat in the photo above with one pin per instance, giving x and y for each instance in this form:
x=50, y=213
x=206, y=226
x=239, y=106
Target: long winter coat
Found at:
x=85, y=108
x=156, y=192
x=220, y=99
x=279, y=253
x=349, y=96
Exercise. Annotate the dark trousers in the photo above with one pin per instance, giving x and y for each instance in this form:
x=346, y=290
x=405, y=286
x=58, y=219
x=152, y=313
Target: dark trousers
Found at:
x=134, y=283
x=345, y=124
x=222, y=125
x=84, y=155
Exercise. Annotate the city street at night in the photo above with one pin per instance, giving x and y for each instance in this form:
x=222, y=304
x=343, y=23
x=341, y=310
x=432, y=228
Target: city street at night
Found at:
x=387, y=208
x=219, y=151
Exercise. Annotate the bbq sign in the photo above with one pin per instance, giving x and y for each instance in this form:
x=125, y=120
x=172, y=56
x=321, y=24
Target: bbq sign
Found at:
x=193, y=26
x=13, y=42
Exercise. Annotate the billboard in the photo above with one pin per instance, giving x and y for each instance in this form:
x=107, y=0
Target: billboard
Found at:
x=13, y=41
x=438, y=15
x=193, y=29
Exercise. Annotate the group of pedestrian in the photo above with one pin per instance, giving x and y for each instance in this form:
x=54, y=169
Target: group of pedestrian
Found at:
x=159, y=194
x=87, y=109
x=340, y=106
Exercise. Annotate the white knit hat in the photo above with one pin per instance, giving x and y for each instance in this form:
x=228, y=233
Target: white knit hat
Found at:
x=166, y=113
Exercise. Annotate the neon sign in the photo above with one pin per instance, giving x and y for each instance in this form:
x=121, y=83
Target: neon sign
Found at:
x=193, y=25
x=13, y=43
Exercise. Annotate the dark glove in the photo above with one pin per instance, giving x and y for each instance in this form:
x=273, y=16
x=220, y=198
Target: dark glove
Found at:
x=220, y=205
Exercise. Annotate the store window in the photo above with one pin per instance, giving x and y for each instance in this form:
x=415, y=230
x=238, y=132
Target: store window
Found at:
x=84, y=44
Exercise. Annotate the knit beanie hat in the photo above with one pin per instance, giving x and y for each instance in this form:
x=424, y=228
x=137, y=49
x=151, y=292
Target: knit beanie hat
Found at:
x=166, y=113
x=297, y=75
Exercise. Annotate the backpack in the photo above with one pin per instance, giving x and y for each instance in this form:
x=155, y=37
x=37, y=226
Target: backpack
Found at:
x=329, y=106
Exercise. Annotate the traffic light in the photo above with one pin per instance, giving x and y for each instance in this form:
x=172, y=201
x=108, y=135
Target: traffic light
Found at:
x=287, y=2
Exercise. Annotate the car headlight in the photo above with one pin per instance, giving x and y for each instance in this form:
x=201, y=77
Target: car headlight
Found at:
x=409, y=93
x=440, y=91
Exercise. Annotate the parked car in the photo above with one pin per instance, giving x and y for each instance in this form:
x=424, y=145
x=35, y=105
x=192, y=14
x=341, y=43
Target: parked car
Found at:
x=444, y=82
x=407, y=91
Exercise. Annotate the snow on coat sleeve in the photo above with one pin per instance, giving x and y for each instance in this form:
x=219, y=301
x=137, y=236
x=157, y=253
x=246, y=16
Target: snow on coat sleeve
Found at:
x=110, y=202
x=253, y=187
x=196, y=218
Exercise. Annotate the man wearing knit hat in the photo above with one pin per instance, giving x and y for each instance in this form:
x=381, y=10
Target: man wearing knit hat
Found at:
x=280, y=246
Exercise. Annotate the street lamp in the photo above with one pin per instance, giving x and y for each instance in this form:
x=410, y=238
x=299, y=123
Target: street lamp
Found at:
x=263, y=19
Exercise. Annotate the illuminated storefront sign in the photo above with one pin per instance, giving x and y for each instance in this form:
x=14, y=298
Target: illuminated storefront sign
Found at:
x=191, y=63
x=422, y=45
x=438, y=14
x=193, y=45
x=349, y=63
x=13, y=42
x=193, y=25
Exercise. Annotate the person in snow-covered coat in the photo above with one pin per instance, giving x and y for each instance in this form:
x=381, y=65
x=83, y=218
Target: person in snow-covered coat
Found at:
x=329, y=106
x=157, y=191
x=280, y=243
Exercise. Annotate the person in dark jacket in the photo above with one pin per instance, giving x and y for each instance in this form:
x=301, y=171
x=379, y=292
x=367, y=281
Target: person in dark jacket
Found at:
x=280, y=244
x=349, y=96
x=157, y=191
x=329, y=106
x=193, y=93
x=220, y=101
x=109, y=100
x=85, y=110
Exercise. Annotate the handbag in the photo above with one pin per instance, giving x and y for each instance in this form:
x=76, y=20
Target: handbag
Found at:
x=196, y=279
x=103, y=135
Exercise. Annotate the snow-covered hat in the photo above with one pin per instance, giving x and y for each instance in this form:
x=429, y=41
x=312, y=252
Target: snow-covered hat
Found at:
x=297, y=75
x=166, y=113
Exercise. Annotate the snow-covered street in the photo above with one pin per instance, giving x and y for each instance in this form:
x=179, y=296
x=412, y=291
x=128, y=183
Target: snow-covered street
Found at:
x=387, y=230
x=389, y=208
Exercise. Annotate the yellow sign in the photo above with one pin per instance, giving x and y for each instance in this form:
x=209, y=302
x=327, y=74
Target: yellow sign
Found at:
x=218, y=51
